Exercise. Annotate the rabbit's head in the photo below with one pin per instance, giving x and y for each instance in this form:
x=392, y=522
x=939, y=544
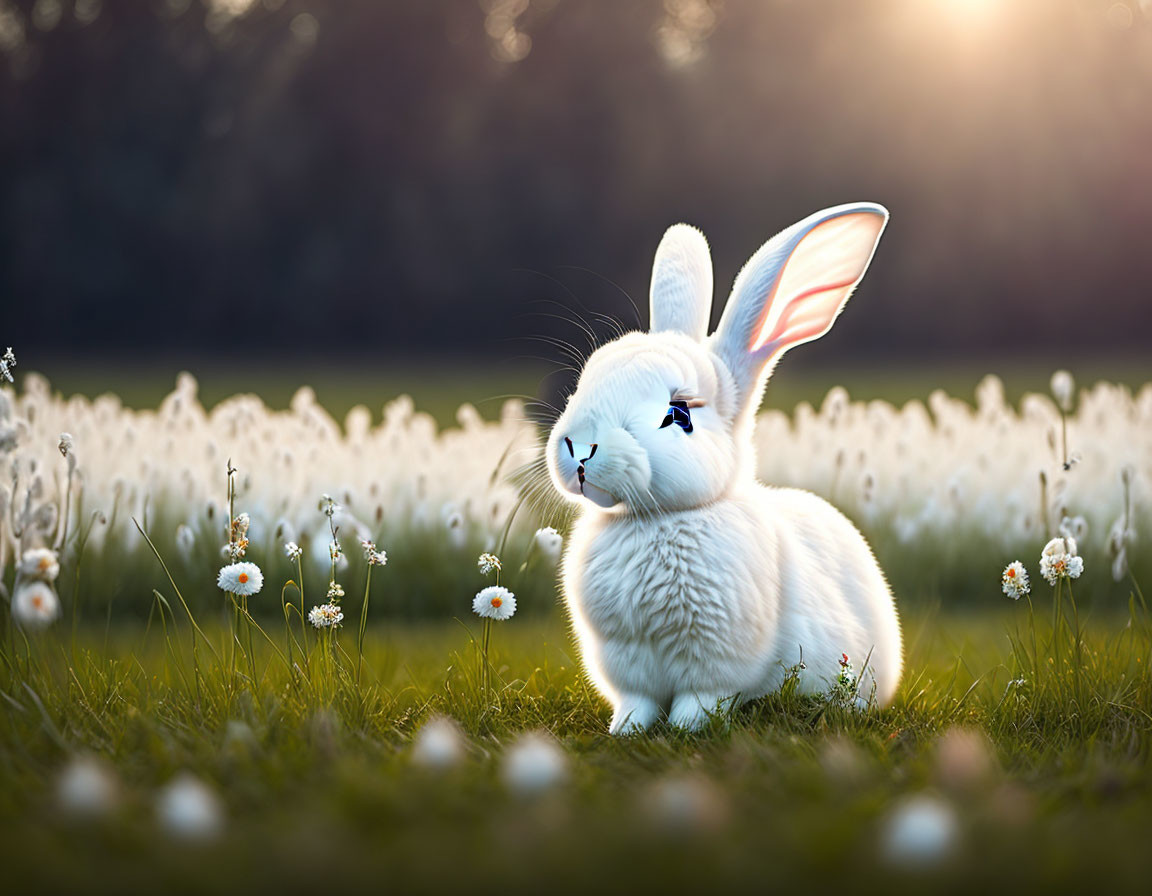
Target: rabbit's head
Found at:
x=663, y=420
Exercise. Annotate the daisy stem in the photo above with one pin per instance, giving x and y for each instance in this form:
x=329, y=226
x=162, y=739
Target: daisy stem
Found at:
x=1064, y=437
x=303, y=627
x=363, y=624
x=484, y=670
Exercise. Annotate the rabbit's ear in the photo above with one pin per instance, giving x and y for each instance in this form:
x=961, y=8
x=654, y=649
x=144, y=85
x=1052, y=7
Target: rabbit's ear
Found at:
x=681, y=295
x=793, y=288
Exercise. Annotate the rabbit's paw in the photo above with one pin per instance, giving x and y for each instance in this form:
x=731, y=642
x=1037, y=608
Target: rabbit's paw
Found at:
x=634, y=713
x=690, y=711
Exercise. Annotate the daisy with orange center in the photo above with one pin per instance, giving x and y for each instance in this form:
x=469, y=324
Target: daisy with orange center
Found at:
x=1014, y=580
x=494, y=602
x=241, y=579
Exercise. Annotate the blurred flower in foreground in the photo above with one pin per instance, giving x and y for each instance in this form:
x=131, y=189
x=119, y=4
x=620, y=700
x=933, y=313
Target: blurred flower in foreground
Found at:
x=494, y=602
x=439, y=744
x=86, y=789
x=1015, y=580
x=244, y=579
x=35, y=605
x=534, y=764
x=549, y=542
x=188, y=809
x=921, y=831
x=964, y=759
x=1060, y=561
x=685, y=805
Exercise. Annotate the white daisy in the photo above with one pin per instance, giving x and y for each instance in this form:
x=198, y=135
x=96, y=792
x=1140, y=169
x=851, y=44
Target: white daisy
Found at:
x=326, y=616
x=292, y=551
x=1059, y=560
x=488, y=563
x=549, y=542
x=244, y=579
x=39, y=563
x=494, y=602
x=1014, y=580
x=35, y=605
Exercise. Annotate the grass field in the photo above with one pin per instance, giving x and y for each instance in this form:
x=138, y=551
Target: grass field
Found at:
x=1016, y=755
x=319, y=787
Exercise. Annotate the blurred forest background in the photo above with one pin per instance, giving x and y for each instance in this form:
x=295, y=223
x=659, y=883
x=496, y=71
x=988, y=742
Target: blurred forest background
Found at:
x=328, y=180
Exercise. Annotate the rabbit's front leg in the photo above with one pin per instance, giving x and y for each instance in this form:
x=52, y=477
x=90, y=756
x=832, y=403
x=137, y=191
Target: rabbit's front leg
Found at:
x=690, y=710
x=633, y=714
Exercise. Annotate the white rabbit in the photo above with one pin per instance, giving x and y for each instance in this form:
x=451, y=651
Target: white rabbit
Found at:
x=691, y=586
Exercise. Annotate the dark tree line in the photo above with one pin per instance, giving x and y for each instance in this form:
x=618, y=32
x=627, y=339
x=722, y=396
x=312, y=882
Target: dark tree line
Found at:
x=361, y=175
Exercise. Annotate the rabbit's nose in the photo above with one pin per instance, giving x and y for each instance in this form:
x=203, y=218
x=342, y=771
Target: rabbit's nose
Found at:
x=582, y=453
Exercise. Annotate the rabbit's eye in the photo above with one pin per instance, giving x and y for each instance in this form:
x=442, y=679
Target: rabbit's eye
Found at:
x=678, y=414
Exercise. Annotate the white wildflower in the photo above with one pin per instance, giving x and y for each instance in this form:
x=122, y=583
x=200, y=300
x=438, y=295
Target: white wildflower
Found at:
x=292, y=551
x=534, y=764
x=335, y=592
x=35, y=605
x=326, y=616
x=438, y=744
x=488, y=563
x=66, y=444
x=188, y=809
x=334, y=551
x=372, y=555
x=86, y=789
x=457, y=531
x=920, y=831
x=549, y=542
x=1059, y=560
x=494, y=602
x=39, y=563
x=185, y=541
x=244, y=579
x=328, y=506
x=7, y=362
x=1075, y=527
x=1063, y=389
x=1014, y=580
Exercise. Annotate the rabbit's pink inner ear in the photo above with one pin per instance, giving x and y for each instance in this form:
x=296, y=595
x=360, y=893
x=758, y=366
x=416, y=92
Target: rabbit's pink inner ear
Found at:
x=817, y=280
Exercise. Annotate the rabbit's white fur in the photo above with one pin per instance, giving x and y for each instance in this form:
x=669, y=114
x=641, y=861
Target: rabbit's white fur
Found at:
x=691, y=586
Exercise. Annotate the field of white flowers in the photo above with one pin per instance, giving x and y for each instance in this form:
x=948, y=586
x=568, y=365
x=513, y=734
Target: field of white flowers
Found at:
x=242, y=644
x=948, y=490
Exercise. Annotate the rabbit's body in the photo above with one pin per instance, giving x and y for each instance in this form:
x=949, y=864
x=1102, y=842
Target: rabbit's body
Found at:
x=676, y=616
x=690, y=585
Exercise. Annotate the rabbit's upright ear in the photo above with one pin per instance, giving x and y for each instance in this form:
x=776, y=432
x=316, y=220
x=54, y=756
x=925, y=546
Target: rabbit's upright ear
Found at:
x=681, y=295
x=793, y=288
